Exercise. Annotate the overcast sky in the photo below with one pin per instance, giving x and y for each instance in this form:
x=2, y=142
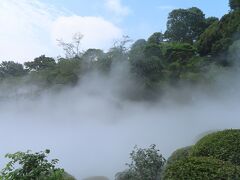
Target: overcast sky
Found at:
x=29, y=28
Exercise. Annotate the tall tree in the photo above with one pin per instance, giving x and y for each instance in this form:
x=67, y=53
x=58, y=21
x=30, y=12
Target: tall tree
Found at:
x=156, y=38
x=234, y=4
x=185, y=25
x=40, y=63
x=10, y=68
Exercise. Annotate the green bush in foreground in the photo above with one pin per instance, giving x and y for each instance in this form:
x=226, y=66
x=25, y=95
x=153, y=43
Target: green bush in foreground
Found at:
x=32, y=166
x=199, y=168
x=222, y=145
x=179, y=154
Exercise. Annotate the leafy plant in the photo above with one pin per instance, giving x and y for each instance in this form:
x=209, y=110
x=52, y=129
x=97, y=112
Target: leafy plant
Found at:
x=31, y=166
x=147, y=164
x=222, y=145
x=198, y=168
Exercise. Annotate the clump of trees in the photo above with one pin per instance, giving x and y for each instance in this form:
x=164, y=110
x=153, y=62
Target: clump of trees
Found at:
x=185, y=52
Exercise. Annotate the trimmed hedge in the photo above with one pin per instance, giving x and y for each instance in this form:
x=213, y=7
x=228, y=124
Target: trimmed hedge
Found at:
x=179, y=154
x=67, y=176
x=222, y=145
x=199, y=168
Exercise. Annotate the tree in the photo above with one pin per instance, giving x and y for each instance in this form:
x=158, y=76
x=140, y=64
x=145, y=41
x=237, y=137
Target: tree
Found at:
x=72, y=49
x=11, y=69
x=91, y=56
x=156, y=38
x=210, y=20
x=234, y=4
x=40, y=63
x=217, y=38
x=152, y=50
x=147, y=164
x=185, y=25
x=31, y=166
x=137, y=50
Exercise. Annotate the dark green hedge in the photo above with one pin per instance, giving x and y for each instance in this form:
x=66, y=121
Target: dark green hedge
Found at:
x=201, y=168
x=222, y=145
x=179, y=154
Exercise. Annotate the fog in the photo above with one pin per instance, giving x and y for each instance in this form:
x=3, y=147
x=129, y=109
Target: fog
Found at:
x=91, y=128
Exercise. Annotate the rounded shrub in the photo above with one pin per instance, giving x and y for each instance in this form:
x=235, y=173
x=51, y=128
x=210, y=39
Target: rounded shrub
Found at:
x=198, y=168
x=179, y=154
x=222, y=145
x=67, y=176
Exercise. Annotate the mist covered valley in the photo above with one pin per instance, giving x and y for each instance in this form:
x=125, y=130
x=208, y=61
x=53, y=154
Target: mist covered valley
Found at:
x=95, y=109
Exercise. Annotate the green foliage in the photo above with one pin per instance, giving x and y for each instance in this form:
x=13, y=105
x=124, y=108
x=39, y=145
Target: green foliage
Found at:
x=173, y=52
x=90, y=57
x=222, y=145
x=152, y=50
x=31, y=166
x=147, y=164
x=198, y=168
x=207, y=39
x=219, y=36
x=185, y=25
x=126, y=175
x=40, y=63
x=11, y=69
x=179, y=154
x=210, y=20
x=156, y=38
x=67, y=176
x=184, y=53
x=148, y=70
x=67, y=71
x=234, y=4
x=137, y=50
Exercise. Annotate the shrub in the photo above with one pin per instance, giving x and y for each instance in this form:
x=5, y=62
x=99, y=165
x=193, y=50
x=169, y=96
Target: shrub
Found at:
x=199, y=168
x=31, y=166
x=179, y=154
x=222, y=145
x=146, y=164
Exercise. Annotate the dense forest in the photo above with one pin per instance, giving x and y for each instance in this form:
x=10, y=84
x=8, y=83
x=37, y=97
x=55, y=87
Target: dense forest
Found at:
x=193, y=50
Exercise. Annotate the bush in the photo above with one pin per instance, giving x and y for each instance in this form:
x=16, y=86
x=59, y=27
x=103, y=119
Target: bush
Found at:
x=147, y=164
x=31, y=166
x=222, y=145
x=199, y=168
x=67, y=176
x=179, y=154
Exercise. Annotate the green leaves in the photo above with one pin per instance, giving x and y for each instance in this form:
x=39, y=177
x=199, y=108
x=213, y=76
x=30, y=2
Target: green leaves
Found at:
x=185, y=25
x=199, y=168
x=215, y=156
x=147, y=164
x=223, y=145
x=234, y=4
x=31, y=166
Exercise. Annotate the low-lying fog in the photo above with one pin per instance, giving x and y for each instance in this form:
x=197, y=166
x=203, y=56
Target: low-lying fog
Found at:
x=92, y=130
